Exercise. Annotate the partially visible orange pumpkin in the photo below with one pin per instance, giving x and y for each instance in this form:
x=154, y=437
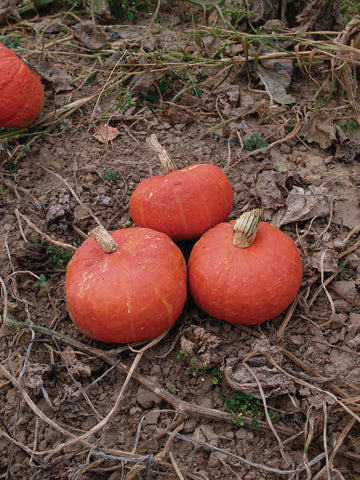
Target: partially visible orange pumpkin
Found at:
x=244, y=272
x=134, y=293
x=21, y=91
x=182, y=203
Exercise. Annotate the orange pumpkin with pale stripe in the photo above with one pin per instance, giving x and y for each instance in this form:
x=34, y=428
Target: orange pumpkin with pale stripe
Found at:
x=183, y=203
x=21, y=91
x=244, y=272
x=132, y=294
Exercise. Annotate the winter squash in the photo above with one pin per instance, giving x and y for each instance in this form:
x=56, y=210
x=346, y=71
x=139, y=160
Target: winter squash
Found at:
x=127, y=286
x=182, y=203
x=244, y=272
x=21, y=91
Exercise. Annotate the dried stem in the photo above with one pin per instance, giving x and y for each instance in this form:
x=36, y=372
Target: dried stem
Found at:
x=166, y=162
x=104, y=239
x=180, y=405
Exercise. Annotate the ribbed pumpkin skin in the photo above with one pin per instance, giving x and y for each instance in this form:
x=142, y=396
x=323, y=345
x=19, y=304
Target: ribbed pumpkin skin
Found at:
x=244, y=285
x=183, y=203
x=21, y=91
x=133, y=294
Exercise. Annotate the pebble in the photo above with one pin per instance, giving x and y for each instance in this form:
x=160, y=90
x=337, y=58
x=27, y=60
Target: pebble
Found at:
x=146, y=398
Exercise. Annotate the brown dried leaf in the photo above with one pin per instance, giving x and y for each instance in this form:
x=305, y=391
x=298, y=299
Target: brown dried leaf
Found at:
x=60, y=79
x=91, y=36
x=104, y=133
x=319, y=128
x=176, y=114
x=283, y=202
x=199, y=347
x=58, y=211
x=272, y=381
x=34, y=376
x=48, y=25
x=277, y=81
x=348, y=151
x=142, y=83
x=321, y=253
x=303, y=204
x=261, y=11
x=76, y=367
x=319, y=15
x=270, y=188
x=31, y=256
x=7, y=12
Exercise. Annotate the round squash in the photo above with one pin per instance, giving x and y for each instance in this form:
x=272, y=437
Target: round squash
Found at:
x=244, y=272
x=134, y=293
x=21, y=91
x=182, y=203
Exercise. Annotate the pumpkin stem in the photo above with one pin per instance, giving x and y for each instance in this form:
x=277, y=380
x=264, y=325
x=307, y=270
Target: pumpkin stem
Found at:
x=104, y=239
x=245, y=228
x=165, y=160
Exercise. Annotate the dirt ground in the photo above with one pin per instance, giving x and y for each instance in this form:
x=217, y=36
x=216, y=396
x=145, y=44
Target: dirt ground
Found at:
x=73, y=408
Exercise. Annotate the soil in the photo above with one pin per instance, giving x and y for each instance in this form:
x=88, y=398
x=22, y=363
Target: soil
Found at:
x=70, y=407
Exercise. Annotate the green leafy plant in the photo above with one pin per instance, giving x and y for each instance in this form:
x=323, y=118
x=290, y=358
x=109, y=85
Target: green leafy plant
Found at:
x=11, y=42
x=125, y=10
x=59, y=257
x=348, y=8
x=241, y=404
x=347, y=126
x=122, y=100
x=320, y=101
x=343, y=271
x=110, y=175
x=152, y=98
x=181, y=355
x=42, y=283
x=216, y=375
x=254, y=142
x=193, y=364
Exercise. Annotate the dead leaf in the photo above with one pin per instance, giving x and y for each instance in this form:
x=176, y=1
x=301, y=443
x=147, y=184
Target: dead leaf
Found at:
x=48, y=25
x=76, y=367
x=284, y=203
x=302, y=204
x=31, y=256
x=142, y=83
x=319, y=128
x=91, y=36
x=103, y=200
x=272, y=381
x=59, y=78
x=262, y=11
x=176, y=114
x=104, y=133
x=199, y=347
x=348, y=151
x=58, y=211
x=319, y=15
x=7, y=12
x=271, y=187
x=34, y=376
x=277, y=81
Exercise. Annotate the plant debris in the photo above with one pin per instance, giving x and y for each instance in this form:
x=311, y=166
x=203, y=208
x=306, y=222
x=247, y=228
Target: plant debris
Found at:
x=244, y=374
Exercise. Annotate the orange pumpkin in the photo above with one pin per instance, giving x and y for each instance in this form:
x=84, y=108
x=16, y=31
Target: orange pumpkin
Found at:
x=244, y=272
x=134, y=293
x=182, y=203
x=21, y=91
